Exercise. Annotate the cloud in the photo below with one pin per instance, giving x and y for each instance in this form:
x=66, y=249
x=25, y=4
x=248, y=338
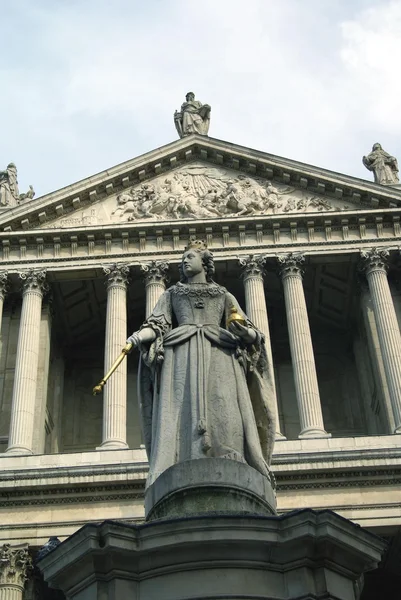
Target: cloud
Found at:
x=371, y=54
x=90, y=85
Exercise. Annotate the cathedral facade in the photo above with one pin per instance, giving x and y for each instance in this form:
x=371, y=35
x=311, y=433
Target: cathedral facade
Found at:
x=313, y=257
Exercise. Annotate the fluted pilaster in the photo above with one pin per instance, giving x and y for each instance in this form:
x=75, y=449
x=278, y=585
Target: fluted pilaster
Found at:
x=303, y=361
x=15, y=565
x=26, y=366
x=255, y=307
x=155, y=274
x=115, y=392
x=375, y=264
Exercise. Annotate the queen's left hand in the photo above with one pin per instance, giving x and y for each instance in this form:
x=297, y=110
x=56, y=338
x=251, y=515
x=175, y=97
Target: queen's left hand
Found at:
x=246, y=334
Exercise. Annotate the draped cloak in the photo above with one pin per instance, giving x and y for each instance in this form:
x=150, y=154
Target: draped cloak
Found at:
x=202, y=391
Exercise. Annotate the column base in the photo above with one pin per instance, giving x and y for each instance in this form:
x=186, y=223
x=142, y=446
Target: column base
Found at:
x=18, y=450
x=113, y=445
x=311, y=433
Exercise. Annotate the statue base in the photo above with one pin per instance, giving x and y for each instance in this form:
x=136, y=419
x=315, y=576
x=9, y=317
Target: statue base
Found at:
x=209, y=486
x=303, y=554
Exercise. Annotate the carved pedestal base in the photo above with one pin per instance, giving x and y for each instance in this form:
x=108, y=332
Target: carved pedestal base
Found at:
x=209, y=486
x=301, y=555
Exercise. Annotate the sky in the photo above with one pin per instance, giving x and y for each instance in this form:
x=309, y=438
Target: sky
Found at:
x=88, y=84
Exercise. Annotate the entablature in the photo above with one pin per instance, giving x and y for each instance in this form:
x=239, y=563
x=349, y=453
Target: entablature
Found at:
x=314, y=234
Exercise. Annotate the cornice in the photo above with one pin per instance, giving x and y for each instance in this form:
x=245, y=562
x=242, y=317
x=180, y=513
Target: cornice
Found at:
x=338, y=469
x=209, y=150
x=311, y=234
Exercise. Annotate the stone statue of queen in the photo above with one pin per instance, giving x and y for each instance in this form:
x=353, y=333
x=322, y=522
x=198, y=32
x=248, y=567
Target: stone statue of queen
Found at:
x=204, y=390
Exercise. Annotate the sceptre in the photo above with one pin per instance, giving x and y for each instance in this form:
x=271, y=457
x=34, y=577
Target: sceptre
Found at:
x=98, y=389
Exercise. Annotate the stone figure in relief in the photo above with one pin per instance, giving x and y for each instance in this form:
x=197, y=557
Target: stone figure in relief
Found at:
x=383, y=165
x=194, y=117
x=201, y=192
x=205, y=388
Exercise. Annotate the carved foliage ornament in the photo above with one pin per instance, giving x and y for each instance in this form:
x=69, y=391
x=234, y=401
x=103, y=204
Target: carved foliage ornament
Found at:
x=4, y=283
x=291, y=264
x=15, y=564
x=117, y=275
x=253, y=266
x=374, y=259
x=34, y=281
x=155, y=272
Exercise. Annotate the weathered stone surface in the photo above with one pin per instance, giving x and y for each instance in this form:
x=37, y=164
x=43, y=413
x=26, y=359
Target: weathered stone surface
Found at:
x=204, y=387
x=193, y=118
x=383, y=165
x=214, y=486
x=304, y=554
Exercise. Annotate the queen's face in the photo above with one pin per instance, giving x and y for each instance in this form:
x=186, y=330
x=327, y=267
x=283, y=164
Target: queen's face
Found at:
x=192, y=263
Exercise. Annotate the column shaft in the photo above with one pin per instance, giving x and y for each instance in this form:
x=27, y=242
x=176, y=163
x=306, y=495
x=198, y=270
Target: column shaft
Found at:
x=115, y=391
x=387, y=328
x=26, y=367
x=155, y=281
x=255, y=307
x=302, y=356
x=154, y=289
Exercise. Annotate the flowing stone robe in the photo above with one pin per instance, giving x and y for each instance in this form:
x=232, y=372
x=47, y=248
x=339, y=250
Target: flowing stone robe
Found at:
x=202, y=392
x=383, y=165
x=194, y=118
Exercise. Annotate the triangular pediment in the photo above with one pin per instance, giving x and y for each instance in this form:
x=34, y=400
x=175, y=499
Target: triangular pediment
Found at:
x=198, y=190
x=198, y=178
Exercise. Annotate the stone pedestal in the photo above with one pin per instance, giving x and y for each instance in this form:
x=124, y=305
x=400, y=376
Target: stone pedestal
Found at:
x=301, y=555
x=209, y=486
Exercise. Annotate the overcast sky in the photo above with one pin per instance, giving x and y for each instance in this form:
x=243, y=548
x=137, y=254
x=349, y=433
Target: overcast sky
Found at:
x=87, y=84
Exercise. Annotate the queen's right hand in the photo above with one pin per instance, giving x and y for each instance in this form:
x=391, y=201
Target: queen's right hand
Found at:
x=134, y=340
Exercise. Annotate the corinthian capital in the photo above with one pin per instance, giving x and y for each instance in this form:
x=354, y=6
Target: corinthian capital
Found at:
x=4, y=283
x=155, y=272
x=116, y=275
x=253, y=266
x=34, y=281
x=291, y=264
x=15, y=564
x=374, y=259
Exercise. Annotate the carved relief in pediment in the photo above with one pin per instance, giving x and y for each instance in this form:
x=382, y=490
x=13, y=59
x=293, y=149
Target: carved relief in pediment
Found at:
x=199, y=192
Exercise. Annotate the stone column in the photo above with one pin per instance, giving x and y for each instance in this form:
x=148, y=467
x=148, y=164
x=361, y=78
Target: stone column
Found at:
x=115, y=391
x=255, y=308
x=3, y=291
x=375, y=268
x=155, y=274
x=26, y=366
x=303, y=361
x=15, y=564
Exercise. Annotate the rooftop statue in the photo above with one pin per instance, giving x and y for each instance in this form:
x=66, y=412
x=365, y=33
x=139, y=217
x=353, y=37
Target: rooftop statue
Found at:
x=193, y=118
x=9, y=193
x=383, y=165
x=205, y=389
